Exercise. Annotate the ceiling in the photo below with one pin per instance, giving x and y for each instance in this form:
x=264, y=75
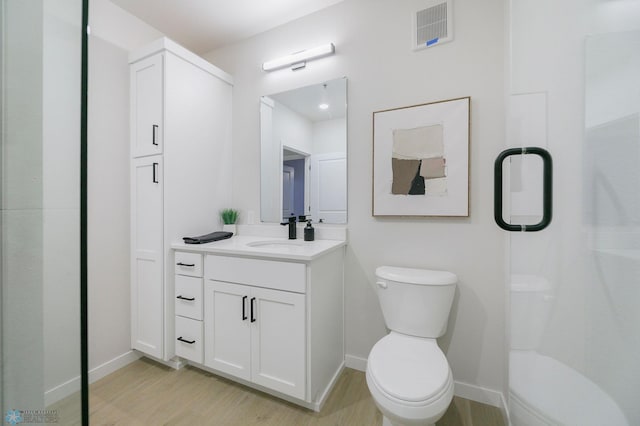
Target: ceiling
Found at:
x=305, y=100
x=204, y=25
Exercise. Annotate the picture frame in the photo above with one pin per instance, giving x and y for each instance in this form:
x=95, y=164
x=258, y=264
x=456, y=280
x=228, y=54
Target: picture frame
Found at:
x=421, y=160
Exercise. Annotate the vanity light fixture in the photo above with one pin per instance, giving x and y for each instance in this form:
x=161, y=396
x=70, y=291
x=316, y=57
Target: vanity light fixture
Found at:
x=299, y=60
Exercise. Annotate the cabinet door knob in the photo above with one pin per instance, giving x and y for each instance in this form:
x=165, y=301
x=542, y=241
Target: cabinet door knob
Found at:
x=153, y=134
x=253, y=318
x=190, y=342
x=190, y=299
x=188, y=265
x=244, y=308
x=155, y=172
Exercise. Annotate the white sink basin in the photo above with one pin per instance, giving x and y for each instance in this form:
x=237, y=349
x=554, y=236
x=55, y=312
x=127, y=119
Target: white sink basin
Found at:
x=276, y=244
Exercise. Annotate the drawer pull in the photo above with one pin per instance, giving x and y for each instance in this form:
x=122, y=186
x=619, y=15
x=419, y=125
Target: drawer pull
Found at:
x=188, y=265
x=191, y=342
x=253, y=318
x=190, y=299
x=244, y=308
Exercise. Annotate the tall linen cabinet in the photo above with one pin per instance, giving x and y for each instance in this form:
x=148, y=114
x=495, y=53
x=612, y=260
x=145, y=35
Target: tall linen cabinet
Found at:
x=180, y=176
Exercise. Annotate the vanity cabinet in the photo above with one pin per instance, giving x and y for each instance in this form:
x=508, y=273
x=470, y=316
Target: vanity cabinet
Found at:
x=180, y=180
x=256, y=334
x=271, y=321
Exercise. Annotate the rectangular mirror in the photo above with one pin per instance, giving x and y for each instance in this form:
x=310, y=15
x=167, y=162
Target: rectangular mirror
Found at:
x=303, y=153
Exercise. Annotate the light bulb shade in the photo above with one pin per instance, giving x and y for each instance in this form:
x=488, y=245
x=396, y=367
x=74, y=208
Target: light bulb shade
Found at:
x=300, y=57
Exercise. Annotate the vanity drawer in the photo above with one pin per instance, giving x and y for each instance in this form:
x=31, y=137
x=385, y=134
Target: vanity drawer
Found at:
x=188, y=264
x=273, y=274
x=189, y=339
x=189, y=297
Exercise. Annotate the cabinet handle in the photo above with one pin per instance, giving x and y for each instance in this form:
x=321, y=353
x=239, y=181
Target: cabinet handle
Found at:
x=188, y=265
x=253, y=318
x=244, y=308
x=191, y=342
x=153, y=134
x=155, y=172
x=190, y=299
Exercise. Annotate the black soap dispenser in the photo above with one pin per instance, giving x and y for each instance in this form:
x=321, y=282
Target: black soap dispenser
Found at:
x=309, y=232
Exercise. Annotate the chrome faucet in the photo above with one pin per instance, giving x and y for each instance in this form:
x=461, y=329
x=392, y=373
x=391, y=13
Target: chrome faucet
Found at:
x=292, y=227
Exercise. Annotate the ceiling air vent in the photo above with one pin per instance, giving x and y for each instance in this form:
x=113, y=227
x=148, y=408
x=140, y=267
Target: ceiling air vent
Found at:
x=432, y=25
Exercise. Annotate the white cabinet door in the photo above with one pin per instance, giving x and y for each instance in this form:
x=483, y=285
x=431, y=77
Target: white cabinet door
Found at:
x=146, y=106
x=146, y=244
x=227, y=318
x=278, y=341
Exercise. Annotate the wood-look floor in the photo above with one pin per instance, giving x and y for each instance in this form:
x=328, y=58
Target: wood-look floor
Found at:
x=146, y=393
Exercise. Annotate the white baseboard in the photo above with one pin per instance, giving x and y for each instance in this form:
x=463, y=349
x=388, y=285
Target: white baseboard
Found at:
x=480, y=394
x=176, y=362
x=332, y=383
x=505, y=411
x=61, y=391
x=355, y=362
x=72, y=386
x=115, y=364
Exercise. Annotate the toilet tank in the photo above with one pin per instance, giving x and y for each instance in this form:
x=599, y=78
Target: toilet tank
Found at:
x=416, y=302
x=531, y=304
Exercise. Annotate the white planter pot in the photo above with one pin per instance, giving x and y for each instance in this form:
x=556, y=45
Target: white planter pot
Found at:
x=230, y=228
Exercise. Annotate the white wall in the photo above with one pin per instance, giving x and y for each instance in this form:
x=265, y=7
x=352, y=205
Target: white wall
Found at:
x=119, y=27
x=329, y=136
x=22, y=298
x=114, y=33
x=108, y=202
x=372, y=43
x=61, y=191
x=291, y=129
x=40, y=193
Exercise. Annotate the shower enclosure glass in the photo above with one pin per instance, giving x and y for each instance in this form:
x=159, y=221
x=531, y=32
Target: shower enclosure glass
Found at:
x=40, y=371
x=574, y=89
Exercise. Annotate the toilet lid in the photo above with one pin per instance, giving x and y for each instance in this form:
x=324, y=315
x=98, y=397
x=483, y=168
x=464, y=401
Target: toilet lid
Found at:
x=408, y=368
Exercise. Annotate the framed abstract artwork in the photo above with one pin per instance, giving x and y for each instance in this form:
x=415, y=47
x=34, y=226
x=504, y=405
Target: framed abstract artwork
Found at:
x=421, y=160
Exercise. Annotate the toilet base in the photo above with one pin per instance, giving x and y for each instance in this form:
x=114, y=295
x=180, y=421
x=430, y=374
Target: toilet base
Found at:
x=387, y=422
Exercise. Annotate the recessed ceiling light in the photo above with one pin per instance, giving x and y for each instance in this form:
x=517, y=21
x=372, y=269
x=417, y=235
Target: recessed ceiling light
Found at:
x=323, y=106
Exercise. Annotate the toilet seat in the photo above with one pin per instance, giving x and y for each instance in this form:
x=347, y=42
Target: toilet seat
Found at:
x=409, y=369
x=409, y=379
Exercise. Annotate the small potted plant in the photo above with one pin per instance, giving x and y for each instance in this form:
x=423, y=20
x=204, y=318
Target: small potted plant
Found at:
x=229, y=218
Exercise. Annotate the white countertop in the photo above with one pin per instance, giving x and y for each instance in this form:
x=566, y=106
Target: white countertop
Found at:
x=279, y=249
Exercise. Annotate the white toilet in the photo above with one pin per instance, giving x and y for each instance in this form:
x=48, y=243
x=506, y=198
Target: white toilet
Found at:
x=407, y=373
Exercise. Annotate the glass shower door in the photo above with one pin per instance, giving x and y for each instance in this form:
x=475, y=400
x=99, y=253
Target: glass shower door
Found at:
x=574, y=90
x=40, y=371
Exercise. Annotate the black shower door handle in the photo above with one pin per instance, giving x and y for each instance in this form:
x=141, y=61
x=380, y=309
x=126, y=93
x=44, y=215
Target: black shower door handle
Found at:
x=547, y=190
